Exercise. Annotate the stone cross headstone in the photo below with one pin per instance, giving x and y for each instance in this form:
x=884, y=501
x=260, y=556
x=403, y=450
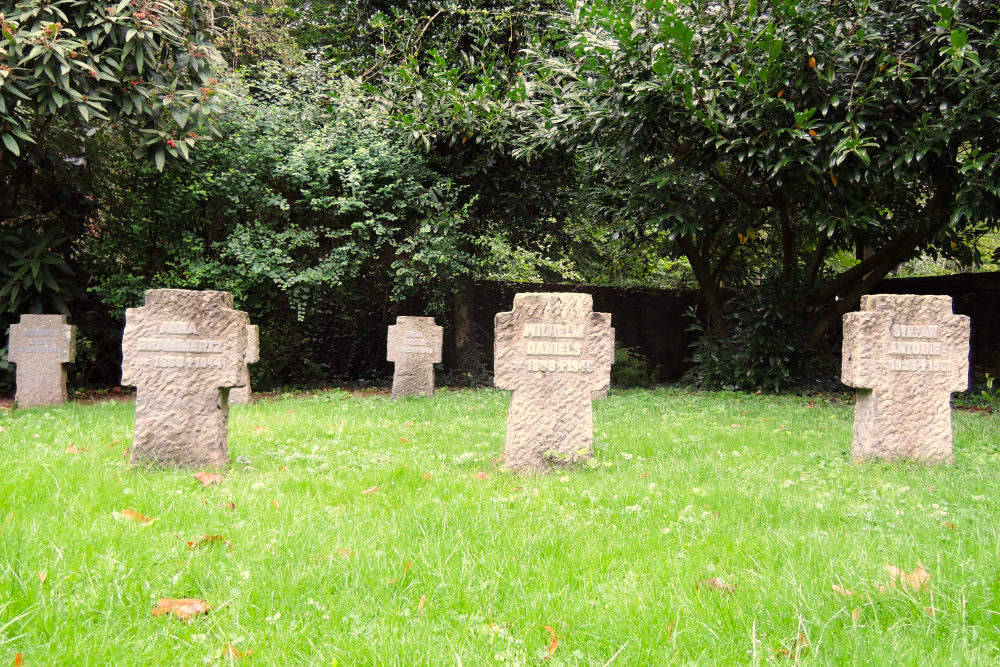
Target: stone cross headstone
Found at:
x=906, y=354
x=414, y=346
x=603, y=391
x=553, y=352
x=180, y=351
x=241, y=395
x=40, y=345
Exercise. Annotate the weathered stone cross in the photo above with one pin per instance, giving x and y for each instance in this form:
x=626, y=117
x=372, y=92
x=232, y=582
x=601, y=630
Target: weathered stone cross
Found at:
x=906, y=354
x=182, y=351
x=241, y=395
x=414, y=346
x=40, y=345
x=553, y=352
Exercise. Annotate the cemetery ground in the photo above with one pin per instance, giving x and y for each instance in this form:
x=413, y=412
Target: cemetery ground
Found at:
x=351, y=529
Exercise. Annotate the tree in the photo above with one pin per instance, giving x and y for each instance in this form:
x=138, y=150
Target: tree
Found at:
x=765, y=136
x=70, y=69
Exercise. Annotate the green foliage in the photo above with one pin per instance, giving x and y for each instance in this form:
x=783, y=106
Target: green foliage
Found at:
x=631, y=368
x=310, y=207
x=765, y=345
x=88, y=63
x=763, y=136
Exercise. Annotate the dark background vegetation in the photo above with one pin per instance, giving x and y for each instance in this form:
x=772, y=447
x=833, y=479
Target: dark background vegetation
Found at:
x=337, y=163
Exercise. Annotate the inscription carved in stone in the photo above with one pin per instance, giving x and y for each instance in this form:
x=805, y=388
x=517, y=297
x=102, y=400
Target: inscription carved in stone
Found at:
x=180, y=350
x=414, y=346
x=553, y=352
x=906, y=354
x=40, y=345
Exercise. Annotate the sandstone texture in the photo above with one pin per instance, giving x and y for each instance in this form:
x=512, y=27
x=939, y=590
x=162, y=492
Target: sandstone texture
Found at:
x=554, y=353
x=906, y=354
x=414, y=346
x=39, y=345
x=241, y=395
x=182, y=350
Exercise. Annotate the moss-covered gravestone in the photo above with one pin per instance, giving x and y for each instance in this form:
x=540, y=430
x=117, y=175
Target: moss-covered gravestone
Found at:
x=906, y=354
x=553, y=352
x=414, y=346
x=183, y=351
x=40, y=345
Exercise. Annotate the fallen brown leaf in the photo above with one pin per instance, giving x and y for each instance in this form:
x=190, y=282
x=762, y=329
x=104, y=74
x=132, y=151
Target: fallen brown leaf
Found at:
x=73, y=449
x=206, y=540
x=855, y=614
x=371, y=489
x=182, y=608
x=274, y=503
x=135, y=516
x=554, y=644
x=43, y=575
x=837, y=588
x=916, y=581
x=344, y=552
x=426, y=477
x=799, y=646
x=18, y=660
x=233, y=653
x=406, y=568
x=949, y=525
x=718, y=584
x=113, y=443
x=930, y=611
x=735, y=426
x=479, y=475
x=258, y=429
x=208, y=478
x=422, y=603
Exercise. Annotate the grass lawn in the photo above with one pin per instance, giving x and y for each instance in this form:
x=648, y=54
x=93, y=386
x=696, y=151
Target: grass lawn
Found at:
x=357, y=530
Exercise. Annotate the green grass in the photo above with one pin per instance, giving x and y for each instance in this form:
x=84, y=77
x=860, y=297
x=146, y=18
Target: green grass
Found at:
x=753, y=491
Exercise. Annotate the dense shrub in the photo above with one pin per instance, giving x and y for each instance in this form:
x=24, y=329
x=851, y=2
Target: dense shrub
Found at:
x=764, y=344
x=316, y=215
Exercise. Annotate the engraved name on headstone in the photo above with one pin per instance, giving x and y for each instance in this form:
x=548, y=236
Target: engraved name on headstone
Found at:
x=553, y=352
x=906, y=354
x=180, y=350
x=40, y=345
x=241, y=395
x=414, y=346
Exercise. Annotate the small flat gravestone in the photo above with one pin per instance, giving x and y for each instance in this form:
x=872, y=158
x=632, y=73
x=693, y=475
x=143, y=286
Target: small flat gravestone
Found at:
x=906, y=354
x=553, y=352
x=241, y=395
x=40, y=345
x=180, y=351
x=414, y=346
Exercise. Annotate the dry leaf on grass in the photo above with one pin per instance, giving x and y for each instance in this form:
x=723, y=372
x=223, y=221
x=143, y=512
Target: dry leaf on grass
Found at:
x=43, y=575
x=798, y=648
x=406, y=568
x=422, y=603
x=837, y=588
x=855, y=614
x=182, y=608
x=371, y=489
x=233, y=653
x=134, y=516
x=916, y=581
x=207, y=540
x=18, y=659
x=344, y=552
x=208, y=478
x=716, y=583
x=73, y=449
x=426, y=477
x=479, y=475
x=554, y=644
